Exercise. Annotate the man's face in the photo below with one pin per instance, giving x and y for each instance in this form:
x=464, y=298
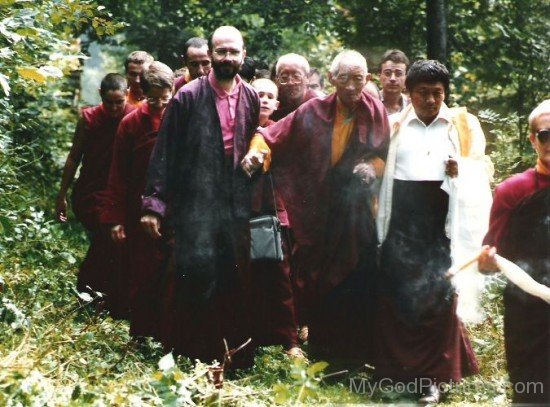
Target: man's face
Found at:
x=158, y=98
x=315, y=82
x=541, y=143
x=132, y=76
x=349, y=83
x=114, y=102
x=292, y=82
x=392, y=77
x=267, y=91
x=227, y=56
x=197, y=61
x=426, y=99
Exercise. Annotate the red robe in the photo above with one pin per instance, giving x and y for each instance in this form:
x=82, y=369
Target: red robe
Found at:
x=179, y=82
x=273, y=310
x=283, y=111
x=99, y=267
x=329, y=214
x=146, y=259
x=205, y=197
x=88, y=194
x=519, y=229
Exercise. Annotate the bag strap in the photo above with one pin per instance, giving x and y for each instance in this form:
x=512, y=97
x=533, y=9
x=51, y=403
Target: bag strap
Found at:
x=273, y=194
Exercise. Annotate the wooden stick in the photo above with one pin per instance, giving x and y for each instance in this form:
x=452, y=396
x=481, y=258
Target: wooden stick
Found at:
x=454, y=270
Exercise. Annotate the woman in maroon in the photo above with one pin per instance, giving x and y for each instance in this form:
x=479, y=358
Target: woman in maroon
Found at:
x=93, y=146
x=134, y=143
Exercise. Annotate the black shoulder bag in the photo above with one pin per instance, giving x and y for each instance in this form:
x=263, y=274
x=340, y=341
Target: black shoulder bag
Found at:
x=265, y=234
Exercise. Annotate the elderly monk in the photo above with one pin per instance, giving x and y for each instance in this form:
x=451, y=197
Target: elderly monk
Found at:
x=93, y=146
x=196, y=186
x=291, y=77
x=134, y=64
x=519, y=231
x=134, y=142
x=326, y=154
x=196, y=59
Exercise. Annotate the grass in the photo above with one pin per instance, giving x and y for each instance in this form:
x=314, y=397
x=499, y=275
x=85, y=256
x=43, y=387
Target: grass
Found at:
x=56, y=350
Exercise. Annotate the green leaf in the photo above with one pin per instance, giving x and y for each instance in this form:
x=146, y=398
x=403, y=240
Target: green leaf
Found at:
x=282, y=393
x=316, y=368
x=32, y=74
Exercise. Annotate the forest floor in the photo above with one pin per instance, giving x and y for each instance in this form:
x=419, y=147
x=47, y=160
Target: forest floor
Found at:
x=56, y=349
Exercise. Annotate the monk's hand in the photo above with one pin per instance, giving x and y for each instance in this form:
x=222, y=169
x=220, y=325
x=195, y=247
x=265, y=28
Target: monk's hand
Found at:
x=118, y=234
x=365, y=172
x=61, y=209
x=487, y=263
x=151, y=225
x=253, y=160
x=451, y=167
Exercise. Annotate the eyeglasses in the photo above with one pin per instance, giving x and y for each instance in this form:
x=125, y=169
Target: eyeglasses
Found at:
x=223, y=52
x=164, y=99
x=543, y=135
x=295, y=78
x=397, y=72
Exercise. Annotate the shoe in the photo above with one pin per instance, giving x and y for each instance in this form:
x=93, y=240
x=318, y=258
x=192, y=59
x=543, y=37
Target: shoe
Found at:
x=295, y=353
x=431, y=396
x=303, y=333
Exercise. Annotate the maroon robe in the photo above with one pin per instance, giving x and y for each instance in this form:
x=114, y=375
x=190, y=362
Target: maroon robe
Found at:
x=283, y=111
x=519, y=230
x=98, y=270
x=335, y=246
x=205, y=196
x=273, y=298
x=179, y=82
x=146, y=260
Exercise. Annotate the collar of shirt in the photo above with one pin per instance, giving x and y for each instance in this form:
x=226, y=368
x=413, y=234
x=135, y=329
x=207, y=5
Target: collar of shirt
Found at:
x=403, y=100
x=443, y=115
x=222, y=93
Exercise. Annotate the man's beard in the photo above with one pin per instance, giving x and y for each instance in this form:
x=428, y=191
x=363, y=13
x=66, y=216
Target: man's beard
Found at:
x=225, y=70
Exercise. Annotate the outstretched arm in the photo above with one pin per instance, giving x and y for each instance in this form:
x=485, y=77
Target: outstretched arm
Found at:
x=69, y=170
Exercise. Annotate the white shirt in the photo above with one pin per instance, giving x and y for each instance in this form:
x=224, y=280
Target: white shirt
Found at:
x=422, y=151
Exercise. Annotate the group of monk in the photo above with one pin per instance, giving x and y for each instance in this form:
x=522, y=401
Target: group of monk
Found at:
x=378, y=193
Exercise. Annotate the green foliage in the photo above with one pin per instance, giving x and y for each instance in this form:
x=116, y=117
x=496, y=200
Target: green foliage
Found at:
x=377, y=25
x=305, y=385
x=270, y=28
x=509, y=154
x=55, y=349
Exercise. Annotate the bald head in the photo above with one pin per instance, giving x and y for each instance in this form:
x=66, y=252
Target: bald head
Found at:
x=347, y=59
x=267, y=91
x=292, y=80
x=265, y=85
x=294, y=60
x=225, y=33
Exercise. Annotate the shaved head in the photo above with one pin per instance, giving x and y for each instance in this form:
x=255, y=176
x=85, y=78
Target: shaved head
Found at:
x=226, y=32
x=265, y=85
x=294, y=60
x=346, y=59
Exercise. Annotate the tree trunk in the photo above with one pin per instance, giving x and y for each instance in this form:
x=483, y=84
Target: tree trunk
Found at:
x=436, y=30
